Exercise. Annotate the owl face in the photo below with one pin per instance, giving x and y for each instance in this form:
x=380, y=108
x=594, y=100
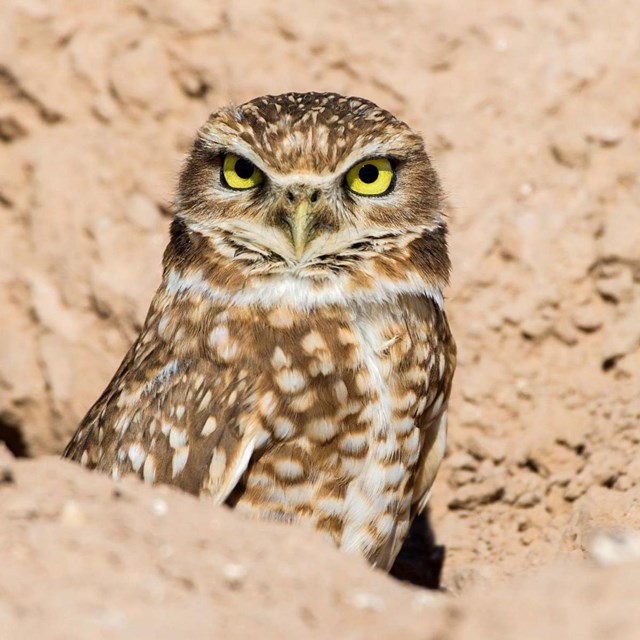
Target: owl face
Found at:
x=310, y=185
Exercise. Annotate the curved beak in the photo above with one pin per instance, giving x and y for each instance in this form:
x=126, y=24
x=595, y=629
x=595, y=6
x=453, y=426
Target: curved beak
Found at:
x=300, y=226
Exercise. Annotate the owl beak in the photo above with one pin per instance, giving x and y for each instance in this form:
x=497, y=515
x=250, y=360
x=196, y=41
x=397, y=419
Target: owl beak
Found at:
x=300, y=227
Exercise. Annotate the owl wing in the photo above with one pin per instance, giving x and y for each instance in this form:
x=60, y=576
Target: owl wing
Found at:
x=192, y=424
x=433, y=421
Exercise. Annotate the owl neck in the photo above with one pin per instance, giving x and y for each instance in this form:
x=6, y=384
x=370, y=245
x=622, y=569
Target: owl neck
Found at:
x=192, y=267
x=296, y=293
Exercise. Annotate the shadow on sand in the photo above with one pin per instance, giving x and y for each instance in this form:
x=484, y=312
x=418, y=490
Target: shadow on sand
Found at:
x=420, y=560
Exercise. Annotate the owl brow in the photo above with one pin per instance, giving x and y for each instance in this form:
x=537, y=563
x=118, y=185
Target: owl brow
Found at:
x=216, y=150
x=366, y=152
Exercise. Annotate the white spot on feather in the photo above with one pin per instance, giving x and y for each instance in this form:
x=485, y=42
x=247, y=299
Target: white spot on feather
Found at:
x=282, y=428
x=290, y=380
x=163, y=325
x=137, y=455
x=218, y=335
x=313, y=342
x=177, y=438
x=149, y=469
x=406, y=401
x=340, y=390
x=385, y=525
x=303, y=402
x=267, y=404
x=441, y=362
x=217, y=467
x=403, y=427
x=321, y=430
x=288, y=469
x=394, y=474
x=122, y=424
x=204, y=403
x=179, y=461
x=353, y=443
x=209, y=426
x=279, y=359
x=329, y=506
x=437, y=405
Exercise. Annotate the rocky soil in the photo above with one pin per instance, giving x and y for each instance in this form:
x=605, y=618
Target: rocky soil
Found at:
x=531, y=110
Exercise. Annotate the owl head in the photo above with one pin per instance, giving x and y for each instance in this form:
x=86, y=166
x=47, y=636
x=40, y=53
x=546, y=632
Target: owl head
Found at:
x=311, y=186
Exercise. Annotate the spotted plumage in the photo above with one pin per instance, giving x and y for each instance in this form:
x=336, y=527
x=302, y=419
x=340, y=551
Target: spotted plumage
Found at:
x=296, y=360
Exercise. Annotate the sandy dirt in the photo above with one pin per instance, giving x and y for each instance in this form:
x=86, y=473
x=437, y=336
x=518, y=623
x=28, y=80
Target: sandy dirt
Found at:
x=531, y=111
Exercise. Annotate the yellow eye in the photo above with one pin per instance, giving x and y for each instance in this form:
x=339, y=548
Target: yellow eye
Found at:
x=371, y=177
x=239, y=173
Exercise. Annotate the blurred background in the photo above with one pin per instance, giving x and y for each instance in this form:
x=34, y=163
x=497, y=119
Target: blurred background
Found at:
x=531, y=113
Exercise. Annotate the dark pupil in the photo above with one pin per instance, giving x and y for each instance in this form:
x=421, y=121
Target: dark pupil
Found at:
x=244, y=169
x=368, y=173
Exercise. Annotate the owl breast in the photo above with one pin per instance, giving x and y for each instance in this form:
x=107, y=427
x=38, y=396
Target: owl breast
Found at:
x=343, y=395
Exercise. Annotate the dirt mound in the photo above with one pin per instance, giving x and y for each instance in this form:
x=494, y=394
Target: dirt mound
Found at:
x=532, y=120
x=84, y=558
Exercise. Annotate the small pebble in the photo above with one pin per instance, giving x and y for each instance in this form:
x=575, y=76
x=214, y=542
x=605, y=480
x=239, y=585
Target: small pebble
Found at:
x=368, y=601
x=606, y=136
x=6, y=475
x=159, y=507
x=424, y=599
x=234, y=574
x=608, y=548
x=72, y=514
x=525, y=189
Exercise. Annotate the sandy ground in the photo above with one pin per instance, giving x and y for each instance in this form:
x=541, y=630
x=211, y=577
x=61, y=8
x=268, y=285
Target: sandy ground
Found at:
x=531, y=110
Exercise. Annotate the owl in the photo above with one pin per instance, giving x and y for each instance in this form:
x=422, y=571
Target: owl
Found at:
x=296, y=360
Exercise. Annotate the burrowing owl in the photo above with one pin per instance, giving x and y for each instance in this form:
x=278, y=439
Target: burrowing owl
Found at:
x=296, y=360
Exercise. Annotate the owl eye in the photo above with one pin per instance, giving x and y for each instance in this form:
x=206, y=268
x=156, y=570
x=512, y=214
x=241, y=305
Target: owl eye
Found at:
x=372, y=177
x=238, y=173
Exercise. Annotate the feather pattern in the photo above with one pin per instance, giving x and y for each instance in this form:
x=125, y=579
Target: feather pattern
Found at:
x=301, y=383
